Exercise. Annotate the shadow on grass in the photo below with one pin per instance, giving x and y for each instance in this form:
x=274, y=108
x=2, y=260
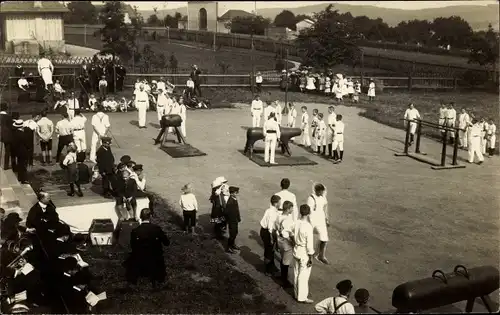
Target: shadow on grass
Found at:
x=201, y=277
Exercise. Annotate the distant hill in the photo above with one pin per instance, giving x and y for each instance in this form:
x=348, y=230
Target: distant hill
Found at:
x=478, y=16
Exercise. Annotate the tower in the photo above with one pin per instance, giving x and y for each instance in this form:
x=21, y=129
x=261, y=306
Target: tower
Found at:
x=202, y=15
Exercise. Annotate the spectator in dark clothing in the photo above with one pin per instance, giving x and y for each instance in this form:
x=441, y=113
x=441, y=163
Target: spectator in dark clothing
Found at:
x=42, y=212
x=84, y=174
x=195, y=76
x=106, y=163
x=362, y=296
x=20, y=150
x=233, y=218
x=30, y=127
x=5, y=136
x=126, y=192
x=146, y=259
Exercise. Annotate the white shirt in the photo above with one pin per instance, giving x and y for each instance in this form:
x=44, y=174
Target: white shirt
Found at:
x=182, y=112
x=268, y=110
x=112, y=104
x=463, y=120
x=58, y=88
x=292, y=113
x=100, y=122
x=318, y=206
x=175, y=108
x=303, y=236
x=45, y=128
x=287, y=195
x=258, y=79
x=141, y=183
x=331, y=306
x=147, y=87
x=332, y=120
x=188, y=202
x=339, y=128
x=31, y=124
x=162, y=99
x=451, y=114
x=44, y=63
x=411, y=114
x=137, y=86
x=443, y=112
x=78, y=122
x=64, y=128
x=321, y=128
x=103, y=82
x=305, y=120
x=268, y=221
x=159, y=85
x=69, y=159
x=256, y=107
x=271, y=125
x=190, y=84
x=284, y=226
x=492, y=129
x=22, y=83
x=277, y=112
x=141, y=97
x=92, y=101
x=73, y=103
x=475, y=130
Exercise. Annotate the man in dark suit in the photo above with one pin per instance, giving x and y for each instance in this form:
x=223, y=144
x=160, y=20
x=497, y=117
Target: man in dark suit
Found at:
x=5, y=136
x=42, y=213
x=195, y=76
x=233, y=218
x=146, y=259
x=121, y=72
x=20, y=149
x=106, y=164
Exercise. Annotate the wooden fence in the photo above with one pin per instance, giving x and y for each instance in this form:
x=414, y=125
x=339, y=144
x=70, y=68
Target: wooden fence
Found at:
x=402, y=63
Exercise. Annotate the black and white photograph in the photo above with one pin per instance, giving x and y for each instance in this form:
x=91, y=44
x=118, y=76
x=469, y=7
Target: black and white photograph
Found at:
x=251, y=157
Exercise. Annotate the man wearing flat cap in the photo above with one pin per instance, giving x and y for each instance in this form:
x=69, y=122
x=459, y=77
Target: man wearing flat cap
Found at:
x=339, y=304
x=233, y=218
x=105, y=164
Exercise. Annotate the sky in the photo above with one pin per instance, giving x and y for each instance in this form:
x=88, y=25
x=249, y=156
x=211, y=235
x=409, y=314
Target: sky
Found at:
x=408, y=5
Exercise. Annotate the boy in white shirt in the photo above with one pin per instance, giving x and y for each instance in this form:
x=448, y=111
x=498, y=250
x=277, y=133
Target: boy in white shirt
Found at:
x=306, y=140
x=321, y=135
x=189, y=206
x=339, y=304
x=103, y=88
x=92, y=102
x=112, y=104
x=58, y=89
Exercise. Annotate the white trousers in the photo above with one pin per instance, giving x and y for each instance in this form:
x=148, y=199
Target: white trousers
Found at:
x=141, y=110
x=94, y=143
x=160, y=111
x=442, y=122
x=271, y=140
x=413, y=127
x=46, y=75
x=491, y=141
x=462, y=135
x=301, y=274
x=451, y=123
x=484, y=142
x=475, y=149
x=306, y=140
x=79, y=140
x=183, y=128
x=256, y=119
x=71, y=114
x=338, y=142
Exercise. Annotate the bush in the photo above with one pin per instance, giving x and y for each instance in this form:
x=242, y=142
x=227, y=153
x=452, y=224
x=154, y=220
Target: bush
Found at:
x=475, y=78
x=280, y=65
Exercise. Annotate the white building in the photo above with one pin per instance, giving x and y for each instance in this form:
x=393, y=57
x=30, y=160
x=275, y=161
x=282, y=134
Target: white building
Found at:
x=304, y=24
x=28, y=24
x=213, y=16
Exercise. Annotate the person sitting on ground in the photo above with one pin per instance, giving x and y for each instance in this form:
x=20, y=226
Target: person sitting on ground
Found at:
x=339, y=304
x=58, y=90
x=362, y=297
x=93, y=102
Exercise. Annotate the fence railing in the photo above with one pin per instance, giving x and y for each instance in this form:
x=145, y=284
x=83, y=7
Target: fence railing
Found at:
x=408, y=63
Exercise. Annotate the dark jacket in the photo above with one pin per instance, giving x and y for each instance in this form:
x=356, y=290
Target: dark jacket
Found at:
x=21, y=140
x=232, y=211
x=218, y=205
x=127, y=188
x=195, y=76
x=37, y=218
x=84, y=174
x=5, y=128
x=147, y=241
x=105, y=160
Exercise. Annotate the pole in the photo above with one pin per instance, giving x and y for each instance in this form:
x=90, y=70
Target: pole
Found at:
x=168, y=34
x=362, y=66
x=253, y=70
x=85, y=34
x=443, y=151
x=419, y=131
x=286, y=79
x=455, y=149
x=407, y=138
x=216, y=21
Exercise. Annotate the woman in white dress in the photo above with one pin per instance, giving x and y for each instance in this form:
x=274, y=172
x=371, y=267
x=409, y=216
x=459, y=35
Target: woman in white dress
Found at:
x=350, y=88
x=343, y=86
x=328, y=86
x=310, y=87
x=337, y=90
x=371, y=91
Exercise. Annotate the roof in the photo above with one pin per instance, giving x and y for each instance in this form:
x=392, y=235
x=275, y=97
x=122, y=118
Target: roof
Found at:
x=308, y=21
x=231, y=14
x=29, y=7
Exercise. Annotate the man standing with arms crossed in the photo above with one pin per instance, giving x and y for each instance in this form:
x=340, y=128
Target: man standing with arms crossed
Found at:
x=100, y=125
x=411, y=115
x=272, y=133
x=303, y=252
x=142, y=105
x=256, y=110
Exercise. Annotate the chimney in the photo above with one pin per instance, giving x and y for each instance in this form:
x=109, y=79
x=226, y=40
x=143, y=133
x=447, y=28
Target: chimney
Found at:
x=37, y=4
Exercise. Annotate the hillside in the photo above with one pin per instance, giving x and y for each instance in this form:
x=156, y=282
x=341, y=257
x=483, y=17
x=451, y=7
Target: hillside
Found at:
x=478, y=16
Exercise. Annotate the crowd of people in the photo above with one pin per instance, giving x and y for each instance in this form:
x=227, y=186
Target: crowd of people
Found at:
x=327, y=136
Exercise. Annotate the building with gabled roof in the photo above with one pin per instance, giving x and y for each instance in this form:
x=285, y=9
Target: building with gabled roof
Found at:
x=26, y=25
x=206, y=15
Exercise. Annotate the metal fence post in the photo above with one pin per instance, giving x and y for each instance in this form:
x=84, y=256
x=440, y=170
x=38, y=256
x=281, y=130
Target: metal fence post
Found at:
x=443, y=151
x=419, y=132
x=407, y=138
x=455, y=148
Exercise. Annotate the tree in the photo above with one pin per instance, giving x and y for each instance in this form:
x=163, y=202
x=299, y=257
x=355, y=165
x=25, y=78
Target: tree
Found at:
x=170, y=21
x=286, y=19
x=148, y=57
x=153, y=19
x=255, y=25
x=115, y=34
x=414, y=31
x=81, y=12
x=330, y=41
x=173, y=63
x=301, y=17
x=484, y=47
x=453, y=31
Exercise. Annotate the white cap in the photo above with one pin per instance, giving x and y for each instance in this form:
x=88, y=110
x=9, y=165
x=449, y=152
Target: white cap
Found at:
x=219, y=181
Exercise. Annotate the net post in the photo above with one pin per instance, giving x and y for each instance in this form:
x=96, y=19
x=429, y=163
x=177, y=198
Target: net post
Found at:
x=455, y=148
x=407, y=138
x=74, y=79
x=443, y=152
x=419, y=131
